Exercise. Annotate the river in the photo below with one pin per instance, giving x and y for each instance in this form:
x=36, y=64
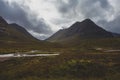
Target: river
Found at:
x=32, y=53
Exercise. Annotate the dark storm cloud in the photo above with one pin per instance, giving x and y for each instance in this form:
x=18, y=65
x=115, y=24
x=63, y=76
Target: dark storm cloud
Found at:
x=87, y=8
x=85, y=4
x=62, y=13
x=15, y=14
x=94, y=8
x=67, y=7
x=113, y=26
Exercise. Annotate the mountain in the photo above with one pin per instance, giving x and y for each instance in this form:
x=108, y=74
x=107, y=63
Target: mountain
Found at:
x=14, y=32
x=14, y=36
x=116, y=35
x=86, y=29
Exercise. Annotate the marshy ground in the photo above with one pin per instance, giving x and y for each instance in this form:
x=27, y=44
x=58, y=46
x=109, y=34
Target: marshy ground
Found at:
x=71, y=64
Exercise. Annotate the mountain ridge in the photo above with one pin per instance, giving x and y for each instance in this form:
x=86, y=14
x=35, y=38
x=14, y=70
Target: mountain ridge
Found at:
x=86, y=29
x=14, y=32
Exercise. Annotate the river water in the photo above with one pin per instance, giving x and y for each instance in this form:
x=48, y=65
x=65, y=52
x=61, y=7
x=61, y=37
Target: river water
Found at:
x=25, y=55
x=29, y=54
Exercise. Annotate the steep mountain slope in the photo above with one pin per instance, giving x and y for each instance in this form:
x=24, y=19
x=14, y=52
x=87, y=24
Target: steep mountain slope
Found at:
x=116, y=35
x=86, y=29
x=13, y=36
x=13, y=32
x=3, y=26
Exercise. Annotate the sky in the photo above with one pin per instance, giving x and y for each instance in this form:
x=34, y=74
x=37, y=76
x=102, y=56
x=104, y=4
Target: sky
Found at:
x=42, y=18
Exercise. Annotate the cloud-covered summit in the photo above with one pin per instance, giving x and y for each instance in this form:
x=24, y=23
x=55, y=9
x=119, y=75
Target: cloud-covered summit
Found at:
x=44, y=17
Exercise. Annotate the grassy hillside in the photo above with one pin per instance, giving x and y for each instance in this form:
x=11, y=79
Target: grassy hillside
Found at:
x=14, y=32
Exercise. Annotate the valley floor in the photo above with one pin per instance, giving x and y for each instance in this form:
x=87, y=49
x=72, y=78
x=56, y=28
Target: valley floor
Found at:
x=71, y=64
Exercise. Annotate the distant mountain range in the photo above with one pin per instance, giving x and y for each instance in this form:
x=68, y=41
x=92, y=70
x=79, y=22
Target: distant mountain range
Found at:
x=14, y=32
x=86, y=29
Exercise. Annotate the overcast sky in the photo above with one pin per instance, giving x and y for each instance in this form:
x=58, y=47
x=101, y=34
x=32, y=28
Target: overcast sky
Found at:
x=42, y=18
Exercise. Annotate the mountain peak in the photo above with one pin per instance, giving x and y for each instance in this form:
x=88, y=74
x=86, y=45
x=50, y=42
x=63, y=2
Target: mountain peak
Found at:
x=86, y=24
x=86, y=29
x=87, y=20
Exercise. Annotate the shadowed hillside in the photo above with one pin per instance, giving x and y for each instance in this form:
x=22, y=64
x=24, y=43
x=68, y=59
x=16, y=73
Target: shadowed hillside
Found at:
x=86, y=29
x=15, y=36
x=14, y=32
